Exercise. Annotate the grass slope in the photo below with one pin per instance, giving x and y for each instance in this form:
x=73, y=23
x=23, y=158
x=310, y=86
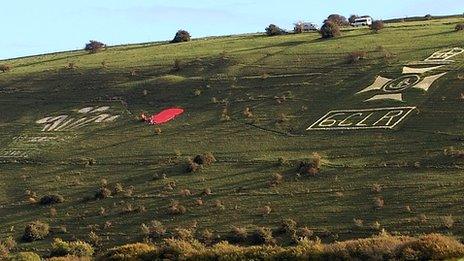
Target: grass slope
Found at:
x=235, y=73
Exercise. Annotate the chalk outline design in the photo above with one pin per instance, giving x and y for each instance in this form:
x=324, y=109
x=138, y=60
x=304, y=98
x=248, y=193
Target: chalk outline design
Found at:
x=410, y=108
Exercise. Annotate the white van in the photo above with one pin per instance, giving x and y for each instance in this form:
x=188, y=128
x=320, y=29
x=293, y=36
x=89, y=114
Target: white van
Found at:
x=362, y=21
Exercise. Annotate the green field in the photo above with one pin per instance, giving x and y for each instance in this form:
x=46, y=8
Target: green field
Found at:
x=288, y=82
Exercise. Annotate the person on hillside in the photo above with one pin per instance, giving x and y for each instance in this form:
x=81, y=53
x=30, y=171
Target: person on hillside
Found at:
x=144, y=117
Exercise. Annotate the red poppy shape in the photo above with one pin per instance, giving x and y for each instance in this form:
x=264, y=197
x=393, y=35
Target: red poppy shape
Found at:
x=166, y=115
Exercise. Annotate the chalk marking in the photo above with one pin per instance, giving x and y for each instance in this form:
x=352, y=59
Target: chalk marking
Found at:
x=409, y=70
x=427, y=82
x=64, y=122
x=85, y=110
x=445, y=55
x=390, y=96
x=377, y=85
x=327, y=123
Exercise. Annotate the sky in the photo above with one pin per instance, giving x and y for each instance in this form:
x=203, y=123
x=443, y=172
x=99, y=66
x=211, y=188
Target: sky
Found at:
x=42, y=26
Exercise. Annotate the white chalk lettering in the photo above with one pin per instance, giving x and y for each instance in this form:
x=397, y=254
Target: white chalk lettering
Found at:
x=91, y=115
x=378, y=118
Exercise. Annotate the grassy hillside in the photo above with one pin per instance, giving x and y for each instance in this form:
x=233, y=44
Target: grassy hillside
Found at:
x=287, y=82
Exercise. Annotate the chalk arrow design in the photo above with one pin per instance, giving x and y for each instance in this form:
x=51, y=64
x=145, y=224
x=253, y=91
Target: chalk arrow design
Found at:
x=428, y=81
x=377, y=85
x=390, y=96
x=408, y=70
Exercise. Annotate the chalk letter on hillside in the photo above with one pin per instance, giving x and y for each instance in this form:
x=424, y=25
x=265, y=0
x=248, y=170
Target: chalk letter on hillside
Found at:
x=390, y=116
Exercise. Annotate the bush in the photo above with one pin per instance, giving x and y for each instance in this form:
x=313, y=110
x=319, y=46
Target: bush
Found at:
x=192, y=166
x=74, y=248
x=174, y=249
x=94, y=46
x=177, y=66
x=185, y=192
x=380, y=247
x=377, y=25
x=5, y=67
x=127, y=252
x=205, y=159
x=183, y=234
x=298, y=28
x=311, y=167
x=430, y=247
x=6, y=246
x=265, y=210
x=118, y=188
x=454, y=153
x=337, y=19
x=181, y=36
x=376, y=188
x=36, y=231
x=273, y=29
x=4, y=250
x=262, y=235
x=448, y=222
x=24, y=256
x=304, y=250
x=206, y=192
x=276, y=180
x=51, y=199
x=352, y=18
x=247, y=112
x=176, y=209
x=304, y=232
x=459, y=27
x=237, y=235
x=288, y=226
x=156, y=229
x=71, y=66
x=428, y=17
x=378, y=203
x=102, y=193
x=207, y=236
x=355, y=57
x=70, y=258
x=330, y=30
x=281, y=161
x=219, y=205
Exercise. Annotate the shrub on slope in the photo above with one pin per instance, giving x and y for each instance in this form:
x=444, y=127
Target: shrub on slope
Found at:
x=381, y=247
x=5, y=67
x=330, y=30
x=377, y=25
x=51, y=199
x=74, y=248
x=337, y=19
x=94, y=46
x=273, y=29
x=36, y=230
x=181, y=36
x=459, y=27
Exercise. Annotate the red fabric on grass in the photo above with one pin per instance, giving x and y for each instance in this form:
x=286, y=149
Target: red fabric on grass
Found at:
x=166, y=115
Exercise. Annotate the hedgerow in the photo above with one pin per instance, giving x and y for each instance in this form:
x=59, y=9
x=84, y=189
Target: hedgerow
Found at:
x=381, y=247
